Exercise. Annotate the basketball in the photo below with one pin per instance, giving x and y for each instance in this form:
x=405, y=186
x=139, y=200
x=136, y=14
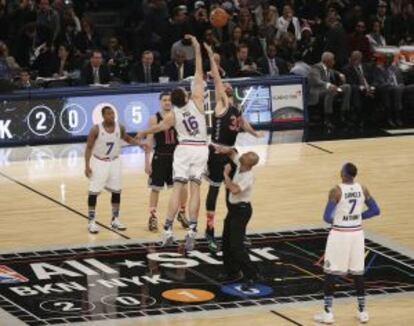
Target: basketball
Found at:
x=219, y=17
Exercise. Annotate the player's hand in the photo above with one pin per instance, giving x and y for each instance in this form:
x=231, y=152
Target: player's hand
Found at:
x=260, y=134
x=88, y=172
x=227, y=170
x=148, y=169
x=193, y=39
x=140, y=135
x=209, y=50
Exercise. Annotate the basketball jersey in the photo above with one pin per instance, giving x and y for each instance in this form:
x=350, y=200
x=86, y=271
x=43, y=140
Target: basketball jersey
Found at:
x=190, y=124
x=226, y=127
x=349, y=209
x=108, y=145
x=165, y=141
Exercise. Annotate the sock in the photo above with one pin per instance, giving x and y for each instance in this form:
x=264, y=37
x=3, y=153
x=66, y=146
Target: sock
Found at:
x=361, y=303
x=327, y=303
x=115, y=212
x=168, y=224
x=193, y=225
x=153, y=210
x=91, y=215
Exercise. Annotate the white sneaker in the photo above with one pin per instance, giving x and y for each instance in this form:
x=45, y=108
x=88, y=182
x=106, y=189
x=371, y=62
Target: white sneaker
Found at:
x=190, y=240
x=363, y=316
x=324, y=318
x=117, y=225
x=167, y=238
x=92, y=227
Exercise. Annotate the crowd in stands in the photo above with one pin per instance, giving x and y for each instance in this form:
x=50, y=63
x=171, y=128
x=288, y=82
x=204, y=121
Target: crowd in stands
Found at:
x=331, y=42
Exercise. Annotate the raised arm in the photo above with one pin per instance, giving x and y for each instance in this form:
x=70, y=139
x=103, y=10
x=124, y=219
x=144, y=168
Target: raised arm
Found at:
x=247, y=127
x=197, y=92
x=222, y=100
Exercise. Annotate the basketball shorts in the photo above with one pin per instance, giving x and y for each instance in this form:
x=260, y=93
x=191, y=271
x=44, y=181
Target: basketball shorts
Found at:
x=215, y=167
x=105, y=175
x=344, y=253
x=162, y=167
x=190, y=163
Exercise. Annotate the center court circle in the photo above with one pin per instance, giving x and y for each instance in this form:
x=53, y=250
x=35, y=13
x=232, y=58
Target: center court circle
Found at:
x=188, y=295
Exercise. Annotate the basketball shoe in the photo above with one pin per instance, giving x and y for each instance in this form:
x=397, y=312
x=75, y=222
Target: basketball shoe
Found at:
x=363, y=316
x=324, y=318
x=153, y=223
x=167, y=238
x=92, y=227
x=117, y=225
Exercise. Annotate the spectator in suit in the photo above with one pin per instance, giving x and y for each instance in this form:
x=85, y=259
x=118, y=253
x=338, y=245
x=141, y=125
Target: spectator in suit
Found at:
x=357, y=41
x=323, y=87
x=288, y=23
x=179, y=69
x=359, y=76
x=145, y=71
x=272, y=65
x=242, y=65
x=65, y=63
x=95, y=72
x=385, y=22
x=375, y=38
x=25, y=80
x=389, y=83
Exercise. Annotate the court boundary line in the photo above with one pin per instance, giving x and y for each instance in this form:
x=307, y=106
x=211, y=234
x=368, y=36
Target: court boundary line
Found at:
x=60, y=204
x=285, y=317
x=320, y=148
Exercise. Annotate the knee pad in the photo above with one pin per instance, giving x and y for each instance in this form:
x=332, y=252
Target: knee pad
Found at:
x=212, y=198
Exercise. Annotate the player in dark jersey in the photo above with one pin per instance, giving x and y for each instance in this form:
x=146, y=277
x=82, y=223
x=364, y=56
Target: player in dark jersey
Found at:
x=159, y=169
x=227, y=123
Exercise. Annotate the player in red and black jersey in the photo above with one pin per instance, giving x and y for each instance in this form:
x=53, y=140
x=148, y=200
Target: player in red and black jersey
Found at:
x=227, y=123
x=159, y=169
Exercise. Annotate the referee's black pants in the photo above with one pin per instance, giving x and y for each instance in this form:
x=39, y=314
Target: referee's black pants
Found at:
x=235, y=255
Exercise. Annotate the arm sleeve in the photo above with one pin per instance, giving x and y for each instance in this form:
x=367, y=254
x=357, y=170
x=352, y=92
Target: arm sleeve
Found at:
x=373, y=209
x=329, y=209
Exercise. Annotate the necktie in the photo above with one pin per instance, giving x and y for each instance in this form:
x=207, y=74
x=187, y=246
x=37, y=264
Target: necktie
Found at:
x=95, y=75
x=148, y=78
x=392, y=78
x=274, y=70
x=180, y=72
x=362, y=80
x=291, y=27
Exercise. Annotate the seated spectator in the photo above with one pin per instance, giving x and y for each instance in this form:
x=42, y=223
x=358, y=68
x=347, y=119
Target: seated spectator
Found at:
x=184, y=45
x=217, y=59
x=179, y=68
x=357, y=41
x=117, y=60
x=6, y=72
x=88, y=38
x=385, y=22
x=389, y=82
x=286, y=47
x=65, y=63
x=145, y=71
x=11, y=61
x=68, y=32
x=324, y=87
x=45, y=61
x=95, y=72
x=288, y=23
x=246, y=21
x=308, y=46
x=375, y=38
x=300, y=68
x=230, y=47
x=242, y=65
x=25, y=80
x=359, y=76
x=271, y=65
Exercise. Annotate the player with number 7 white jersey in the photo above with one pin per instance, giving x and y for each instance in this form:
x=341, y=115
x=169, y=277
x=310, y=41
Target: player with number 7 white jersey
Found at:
x=191, y=154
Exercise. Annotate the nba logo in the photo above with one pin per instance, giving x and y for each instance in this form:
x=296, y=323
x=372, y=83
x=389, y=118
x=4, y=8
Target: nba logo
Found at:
x=7, y=275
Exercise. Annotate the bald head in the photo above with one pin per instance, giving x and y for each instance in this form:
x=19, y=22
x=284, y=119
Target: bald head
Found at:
x=328, y=59
x=356, y=58
x=249, y=159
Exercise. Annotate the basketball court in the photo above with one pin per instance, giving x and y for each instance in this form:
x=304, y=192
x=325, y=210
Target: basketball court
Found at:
x=52, y=271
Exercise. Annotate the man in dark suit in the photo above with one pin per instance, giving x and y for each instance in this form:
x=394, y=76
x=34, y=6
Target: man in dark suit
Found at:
x=271, y=64
x=25, y=80
x=242, y=65
x=359, y=76
x=145, y=71
x=179, y=69
x=325, y=86
x=390, y=85
x=95, y=72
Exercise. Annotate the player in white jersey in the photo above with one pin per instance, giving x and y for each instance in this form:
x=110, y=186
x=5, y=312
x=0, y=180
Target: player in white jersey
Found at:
x=103, y=165
x=344, y=253
x=191, y=154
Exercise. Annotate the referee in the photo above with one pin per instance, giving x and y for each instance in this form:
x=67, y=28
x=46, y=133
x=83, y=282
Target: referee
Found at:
x=235, y=256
